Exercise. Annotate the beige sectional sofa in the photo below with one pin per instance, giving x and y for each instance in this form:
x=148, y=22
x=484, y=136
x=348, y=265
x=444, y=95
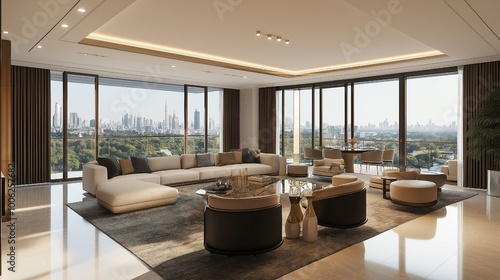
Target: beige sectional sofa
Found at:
x=180, y=169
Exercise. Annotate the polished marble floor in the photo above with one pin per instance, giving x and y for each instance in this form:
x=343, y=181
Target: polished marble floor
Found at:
x=460, y=241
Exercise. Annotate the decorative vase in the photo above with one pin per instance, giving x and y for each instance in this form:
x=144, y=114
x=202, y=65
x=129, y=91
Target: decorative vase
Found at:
x=292, y=225
x=310, y=227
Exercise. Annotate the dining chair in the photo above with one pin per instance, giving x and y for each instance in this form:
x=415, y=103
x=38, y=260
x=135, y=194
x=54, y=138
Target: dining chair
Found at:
x=312, y=154
x=332, y=153
x=371, y=158
x=388, y=157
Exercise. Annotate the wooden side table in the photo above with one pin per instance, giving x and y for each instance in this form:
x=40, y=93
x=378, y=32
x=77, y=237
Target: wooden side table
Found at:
x=384, y=185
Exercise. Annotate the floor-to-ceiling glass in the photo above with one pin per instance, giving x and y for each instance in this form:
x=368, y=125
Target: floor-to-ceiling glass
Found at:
x=56, y=127
x=376, y=115
x=214, y=120
x=80, y=122
x=140, y=119
x=432, y=117
x=333, y=109
x=196, y=119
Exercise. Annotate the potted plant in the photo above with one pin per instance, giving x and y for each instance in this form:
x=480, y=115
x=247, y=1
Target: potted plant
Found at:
x=484, y=136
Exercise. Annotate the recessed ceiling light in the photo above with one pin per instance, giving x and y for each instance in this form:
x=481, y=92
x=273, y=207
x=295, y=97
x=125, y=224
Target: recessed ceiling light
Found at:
x=173, y=66
x=65, y=25
x=5, y=32
x=82, y=10
x=39, y=46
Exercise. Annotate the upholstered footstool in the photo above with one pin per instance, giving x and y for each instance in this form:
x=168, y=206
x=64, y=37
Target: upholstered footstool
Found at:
x=341, y=179
x=130, y=195
x=414, y=193
x=297, y=170
x=438, y=178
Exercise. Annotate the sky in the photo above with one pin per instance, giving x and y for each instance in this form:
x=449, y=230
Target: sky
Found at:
x=429, y=98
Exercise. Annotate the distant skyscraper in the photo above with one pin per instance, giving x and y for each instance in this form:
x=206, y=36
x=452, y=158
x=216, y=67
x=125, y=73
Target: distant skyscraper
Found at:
x=56, y=119
x=196, y=119
x=74, y=121
x=167, y=124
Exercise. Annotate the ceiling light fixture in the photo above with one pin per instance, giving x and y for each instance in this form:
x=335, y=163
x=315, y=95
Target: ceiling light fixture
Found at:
x=39, y=46
x=273, y=36
x=65, y=25
x=82, y=10
x=5, y=32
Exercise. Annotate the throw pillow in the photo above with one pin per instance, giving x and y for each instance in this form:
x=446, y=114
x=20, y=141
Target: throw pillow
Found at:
x=245, y=155
x=254, y=155
x=226, y=158
x=126, y=166
x=203, y=160
x=111, y=164
x=238, y=157
x=140, y=165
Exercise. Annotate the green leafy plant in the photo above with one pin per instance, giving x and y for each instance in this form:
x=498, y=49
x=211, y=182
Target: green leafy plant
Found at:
x=484, y=129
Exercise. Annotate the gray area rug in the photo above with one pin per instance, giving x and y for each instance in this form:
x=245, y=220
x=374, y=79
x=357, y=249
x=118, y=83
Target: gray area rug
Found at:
x=170, y=238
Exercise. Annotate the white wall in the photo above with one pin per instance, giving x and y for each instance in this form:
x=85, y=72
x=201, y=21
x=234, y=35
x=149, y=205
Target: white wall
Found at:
x=249, y=118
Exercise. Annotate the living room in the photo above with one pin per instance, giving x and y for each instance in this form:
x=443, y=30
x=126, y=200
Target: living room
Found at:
x=38, y=40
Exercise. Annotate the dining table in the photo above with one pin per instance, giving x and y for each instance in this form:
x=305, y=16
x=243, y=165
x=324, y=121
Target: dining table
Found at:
x=348, y=155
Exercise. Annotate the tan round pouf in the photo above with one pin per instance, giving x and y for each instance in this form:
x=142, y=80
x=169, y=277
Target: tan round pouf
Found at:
x=414, y=193
x=341, y=179
x=438, y=178
x=297, y=170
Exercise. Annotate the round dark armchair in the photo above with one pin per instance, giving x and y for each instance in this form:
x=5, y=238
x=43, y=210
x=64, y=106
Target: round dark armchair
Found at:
x=243, y=226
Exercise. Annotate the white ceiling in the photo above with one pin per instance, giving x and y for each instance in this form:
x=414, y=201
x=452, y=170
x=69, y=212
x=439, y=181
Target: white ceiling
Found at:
x=213, y=42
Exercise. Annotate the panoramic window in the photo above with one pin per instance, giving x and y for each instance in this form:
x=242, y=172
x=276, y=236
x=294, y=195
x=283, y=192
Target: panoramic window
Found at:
x=333, y=117
x=140, y=119
x=376, y=115
x=135, y=118
x=432, y=116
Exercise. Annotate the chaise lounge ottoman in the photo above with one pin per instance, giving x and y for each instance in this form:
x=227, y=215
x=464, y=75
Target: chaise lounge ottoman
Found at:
x=130, y=195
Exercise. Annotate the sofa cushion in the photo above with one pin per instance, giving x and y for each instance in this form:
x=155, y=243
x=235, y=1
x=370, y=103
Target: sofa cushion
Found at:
x=254, y=155
x=213, y=172
x=176, y=176
x=126, y=166
x=252, y=169
x=145, y=177
x=111, y=164
x=203, y=160
x=130, y=195
x=188, y=161
x=238, y=157
x=226, y=158
x=245, y=156
x=140, y=165
x=164, y=163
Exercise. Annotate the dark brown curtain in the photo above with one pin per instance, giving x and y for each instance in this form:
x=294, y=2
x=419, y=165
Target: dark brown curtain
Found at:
x=31, y=124
x=267, y=120
x=478, y=78
x=231, y=119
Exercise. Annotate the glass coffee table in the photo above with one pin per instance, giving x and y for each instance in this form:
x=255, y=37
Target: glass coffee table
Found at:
x=253, y=189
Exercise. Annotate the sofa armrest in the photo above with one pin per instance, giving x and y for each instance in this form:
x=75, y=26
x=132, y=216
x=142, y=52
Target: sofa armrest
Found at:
x=282, y=161
x=445, y=170
x=272, y=160
x=318, y=162
x=93, y=174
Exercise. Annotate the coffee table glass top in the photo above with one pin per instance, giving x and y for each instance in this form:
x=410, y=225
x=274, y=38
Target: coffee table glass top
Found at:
x=253, y=189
